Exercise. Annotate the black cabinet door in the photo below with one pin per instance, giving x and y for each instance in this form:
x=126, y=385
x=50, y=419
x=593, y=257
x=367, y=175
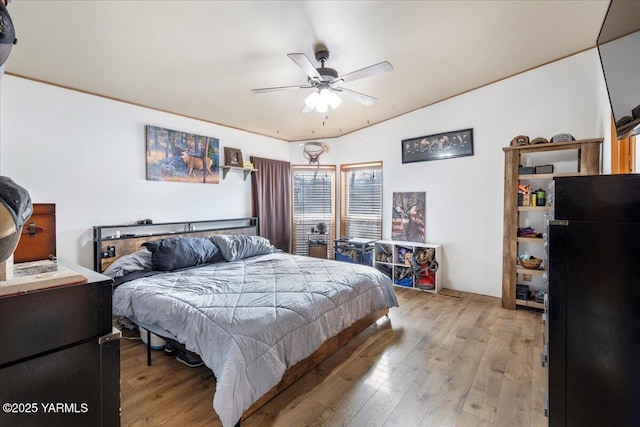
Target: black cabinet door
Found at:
x=42, y=321
x=76, y=386
x=594, y=318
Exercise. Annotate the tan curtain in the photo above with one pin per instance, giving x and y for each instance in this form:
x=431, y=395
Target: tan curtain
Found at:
x=271, y=193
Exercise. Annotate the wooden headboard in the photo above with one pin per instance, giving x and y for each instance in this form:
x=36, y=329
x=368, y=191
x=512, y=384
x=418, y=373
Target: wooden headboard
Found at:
x=110, y=242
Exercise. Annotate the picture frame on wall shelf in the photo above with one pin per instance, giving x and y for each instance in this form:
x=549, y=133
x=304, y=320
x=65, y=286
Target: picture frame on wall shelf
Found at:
x=233, y=157
x=445, y=145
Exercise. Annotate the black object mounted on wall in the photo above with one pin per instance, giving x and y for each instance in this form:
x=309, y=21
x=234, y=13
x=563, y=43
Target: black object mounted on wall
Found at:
x=619, y=47
x=7, y=33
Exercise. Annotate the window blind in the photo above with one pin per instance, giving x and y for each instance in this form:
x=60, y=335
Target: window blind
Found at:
x=362, y=200
x=313, y=192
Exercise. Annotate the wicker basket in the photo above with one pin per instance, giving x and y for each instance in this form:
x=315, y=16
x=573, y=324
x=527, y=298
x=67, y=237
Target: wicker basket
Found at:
x=532, y=263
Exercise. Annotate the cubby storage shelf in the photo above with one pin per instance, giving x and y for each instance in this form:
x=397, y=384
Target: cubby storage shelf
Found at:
x=410, y=264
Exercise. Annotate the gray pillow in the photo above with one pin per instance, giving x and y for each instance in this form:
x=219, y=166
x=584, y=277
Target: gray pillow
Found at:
x=181, y=252
x=237, y=247
x=137, y=261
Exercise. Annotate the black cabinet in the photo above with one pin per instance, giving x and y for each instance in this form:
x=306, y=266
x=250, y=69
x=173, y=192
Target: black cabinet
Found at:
x=60, y=356
x=594, y=300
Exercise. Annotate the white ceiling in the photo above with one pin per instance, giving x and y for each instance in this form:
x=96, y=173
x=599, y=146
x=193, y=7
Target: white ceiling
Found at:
x=202, y=58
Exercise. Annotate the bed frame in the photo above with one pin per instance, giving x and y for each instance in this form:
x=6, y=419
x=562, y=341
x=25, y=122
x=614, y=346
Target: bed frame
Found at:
x=110, y=242
x=113, y=241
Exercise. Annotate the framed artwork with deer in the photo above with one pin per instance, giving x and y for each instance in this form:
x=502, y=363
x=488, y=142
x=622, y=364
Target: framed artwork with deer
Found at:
x=181, y=157
x=408, y=217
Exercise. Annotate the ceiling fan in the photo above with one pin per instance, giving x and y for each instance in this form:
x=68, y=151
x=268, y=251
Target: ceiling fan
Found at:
x=326, y=81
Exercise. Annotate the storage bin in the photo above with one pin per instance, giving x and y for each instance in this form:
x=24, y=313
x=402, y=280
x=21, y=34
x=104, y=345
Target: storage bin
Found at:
x=356, y=258
x=157, y=343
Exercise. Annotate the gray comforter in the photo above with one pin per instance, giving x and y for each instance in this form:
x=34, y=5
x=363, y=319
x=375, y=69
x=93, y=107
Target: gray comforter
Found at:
x=252, y=319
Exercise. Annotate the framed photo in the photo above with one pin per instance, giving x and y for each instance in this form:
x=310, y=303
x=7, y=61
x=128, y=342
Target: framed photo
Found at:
x=232, y=157
x=439, y=146
x=177, y=156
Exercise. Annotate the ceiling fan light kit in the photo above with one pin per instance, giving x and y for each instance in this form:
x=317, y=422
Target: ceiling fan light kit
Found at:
x=326, y=81
x=321, y=100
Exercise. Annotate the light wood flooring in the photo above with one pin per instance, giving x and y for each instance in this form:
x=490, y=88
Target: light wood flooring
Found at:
x=452, y=359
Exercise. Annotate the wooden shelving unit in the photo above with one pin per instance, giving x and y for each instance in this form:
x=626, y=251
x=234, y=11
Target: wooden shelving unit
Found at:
x=588, y=164
x=530, y=303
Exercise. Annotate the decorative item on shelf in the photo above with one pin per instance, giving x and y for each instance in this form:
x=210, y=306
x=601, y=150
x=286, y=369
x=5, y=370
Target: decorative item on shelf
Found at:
x=523, y=292
x=247, y=165
x=526, y=170
x=520, y=140
x=544, y=169
x=541, y=197
x=530, y=262
x=539, y=140
x=528, y=232
x=439, y=146
x=562, y=137
x=524, y=191
x=233, y=157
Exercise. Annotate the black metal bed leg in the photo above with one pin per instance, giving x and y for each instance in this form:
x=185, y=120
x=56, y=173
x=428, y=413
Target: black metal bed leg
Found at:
x=237, y=424
x=148, y=348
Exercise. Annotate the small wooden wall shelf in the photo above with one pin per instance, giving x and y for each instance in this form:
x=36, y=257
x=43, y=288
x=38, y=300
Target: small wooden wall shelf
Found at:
x=247, y=171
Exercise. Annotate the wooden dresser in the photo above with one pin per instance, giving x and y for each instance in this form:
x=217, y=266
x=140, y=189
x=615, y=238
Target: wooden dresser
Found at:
x=60, y=355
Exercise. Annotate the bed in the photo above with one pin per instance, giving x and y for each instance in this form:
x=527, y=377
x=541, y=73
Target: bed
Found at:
x=258, y=317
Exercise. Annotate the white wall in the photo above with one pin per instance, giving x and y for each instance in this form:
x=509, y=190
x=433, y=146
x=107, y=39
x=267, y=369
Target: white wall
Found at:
x=464, y=195
x=86, y=154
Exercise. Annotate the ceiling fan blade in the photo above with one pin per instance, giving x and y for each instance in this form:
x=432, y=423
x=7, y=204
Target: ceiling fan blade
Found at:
x=381, y=67
x=274, y=89
x=306, y=65
x=356, y=96
x=305, y=110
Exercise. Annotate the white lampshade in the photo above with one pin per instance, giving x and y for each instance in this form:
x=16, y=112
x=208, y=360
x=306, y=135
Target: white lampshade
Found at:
x=321, y=100
x=335, y=100
x=312, y=100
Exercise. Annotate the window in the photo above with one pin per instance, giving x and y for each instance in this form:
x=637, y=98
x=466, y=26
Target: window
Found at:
x=313, y=190
x=361, y=200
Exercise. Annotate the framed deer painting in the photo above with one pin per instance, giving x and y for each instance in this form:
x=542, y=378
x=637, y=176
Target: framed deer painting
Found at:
x=181, y=157
x=408, y=217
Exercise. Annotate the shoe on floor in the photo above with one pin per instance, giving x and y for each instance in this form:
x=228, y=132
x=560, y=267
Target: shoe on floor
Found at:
x=170, y=349
x=192, y=360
